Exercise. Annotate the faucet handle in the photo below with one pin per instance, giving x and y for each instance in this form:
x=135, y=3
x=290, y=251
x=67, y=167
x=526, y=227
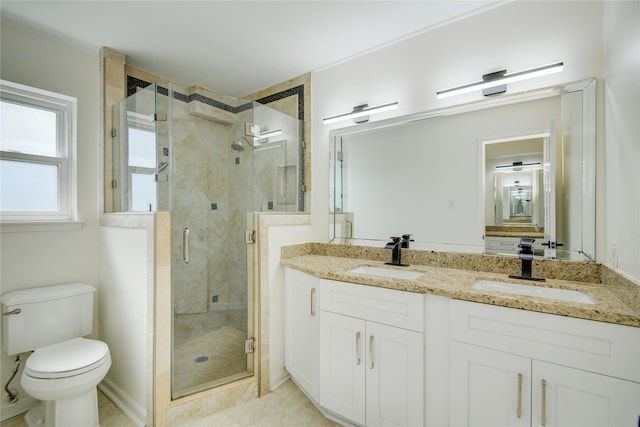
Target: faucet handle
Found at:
x=406, y=238
x=395, y=239
x=526, y=243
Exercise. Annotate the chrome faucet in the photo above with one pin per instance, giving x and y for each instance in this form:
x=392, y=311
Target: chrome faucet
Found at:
x=396, y=252
x=526, y=255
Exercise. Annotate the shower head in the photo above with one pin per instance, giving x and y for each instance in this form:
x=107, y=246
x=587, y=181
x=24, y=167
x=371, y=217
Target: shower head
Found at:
x=237, y=144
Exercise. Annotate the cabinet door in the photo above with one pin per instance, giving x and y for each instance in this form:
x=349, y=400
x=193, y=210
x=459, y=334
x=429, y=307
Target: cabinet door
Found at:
x=302, y=328
x=395, y=376
x=574, y=398
x=342, y=365
x=488, y=387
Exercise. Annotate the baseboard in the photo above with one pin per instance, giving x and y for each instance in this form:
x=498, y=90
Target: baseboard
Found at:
x=278, y=380
x=124, y=402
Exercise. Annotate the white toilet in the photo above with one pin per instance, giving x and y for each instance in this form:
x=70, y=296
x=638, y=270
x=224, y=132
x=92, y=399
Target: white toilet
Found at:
x=65, y=368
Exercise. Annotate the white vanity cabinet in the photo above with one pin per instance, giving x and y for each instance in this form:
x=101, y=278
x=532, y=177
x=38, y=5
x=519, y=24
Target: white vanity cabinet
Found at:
x=488, y=387
x=372, y=354
x=563, y=396
x=517, y=368
x=302, y=328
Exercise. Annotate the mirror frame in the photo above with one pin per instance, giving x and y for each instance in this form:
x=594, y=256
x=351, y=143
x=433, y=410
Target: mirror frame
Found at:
x=588, y=89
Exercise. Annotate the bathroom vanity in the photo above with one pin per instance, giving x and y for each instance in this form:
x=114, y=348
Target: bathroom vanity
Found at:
x=378, y=345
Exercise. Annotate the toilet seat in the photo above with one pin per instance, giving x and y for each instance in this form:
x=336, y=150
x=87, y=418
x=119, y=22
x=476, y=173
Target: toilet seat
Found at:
x=67, y=359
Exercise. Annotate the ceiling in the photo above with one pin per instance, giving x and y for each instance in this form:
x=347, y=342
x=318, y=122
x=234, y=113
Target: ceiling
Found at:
x=235, y=47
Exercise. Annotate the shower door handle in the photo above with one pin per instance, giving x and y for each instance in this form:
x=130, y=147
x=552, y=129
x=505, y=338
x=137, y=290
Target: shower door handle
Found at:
x=185, y=245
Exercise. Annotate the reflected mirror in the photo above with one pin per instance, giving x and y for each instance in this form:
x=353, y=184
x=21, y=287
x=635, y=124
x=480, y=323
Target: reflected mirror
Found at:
x=473, y=178
x=514, y=194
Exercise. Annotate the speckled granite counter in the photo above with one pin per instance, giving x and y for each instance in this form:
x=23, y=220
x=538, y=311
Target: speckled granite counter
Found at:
x=514, y=234
x=456, y=282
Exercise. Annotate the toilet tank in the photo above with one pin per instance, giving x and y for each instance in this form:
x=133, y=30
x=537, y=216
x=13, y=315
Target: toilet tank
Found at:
x=48, y=315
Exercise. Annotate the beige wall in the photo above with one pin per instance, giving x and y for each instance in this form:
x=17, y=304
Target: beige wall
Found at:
x=31, y=259
x=126, y=263
x=622, y=110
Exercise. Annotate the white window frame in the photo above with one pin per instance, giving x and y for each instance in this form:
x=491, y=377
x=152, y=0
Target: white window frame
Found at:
x=65, y=108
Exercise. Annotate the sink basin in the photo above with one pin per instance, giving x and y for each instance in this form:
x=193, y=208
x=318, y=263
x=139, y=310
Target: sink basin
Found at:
x=533, y=291
x=386, y=272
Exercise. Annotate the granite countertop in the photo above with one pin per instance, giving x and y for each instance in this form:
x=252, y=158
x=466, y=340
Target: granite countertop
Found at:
x=455, y=283
x=514, y=234
x=514, y=231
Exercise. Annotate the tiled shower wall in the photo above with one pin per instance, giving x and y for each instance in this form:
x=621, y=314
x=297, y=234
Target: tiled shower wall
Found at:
x=212, y=188
x=211, y=195
x=200, y=180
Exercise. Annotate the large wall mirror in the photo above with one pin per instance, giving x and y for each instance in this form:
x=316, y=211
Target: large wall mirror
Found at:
x=473, y=178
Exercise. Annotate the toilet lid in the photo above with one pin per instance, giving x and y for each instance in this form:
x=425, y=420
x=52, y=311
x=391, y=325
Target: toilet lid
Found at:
x=67, y=358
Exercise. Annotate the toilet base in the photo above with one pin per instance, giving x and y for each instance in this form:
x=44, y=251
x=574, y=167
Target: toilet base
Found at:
x=80, y=411
x=35, y=416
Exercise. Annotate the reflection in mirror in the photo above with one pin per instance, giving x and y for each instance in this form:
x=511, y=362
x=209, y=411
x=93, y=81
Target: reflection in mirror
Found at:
x=433, y=174
x=514, y=201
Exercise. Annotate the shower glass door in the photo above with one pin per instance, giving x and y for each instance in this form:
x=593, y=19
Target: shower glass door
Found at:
x=222, y=175
x=212, y=285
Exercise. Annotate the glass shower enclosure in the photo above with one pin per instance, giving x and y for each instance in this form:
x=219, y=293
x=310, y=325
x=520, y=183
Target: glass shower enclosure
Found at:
x=212, y=164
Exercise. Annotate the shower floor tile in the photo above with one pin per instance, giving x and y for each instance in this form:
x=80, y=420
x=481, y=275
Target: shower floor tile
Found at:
x=209, y=358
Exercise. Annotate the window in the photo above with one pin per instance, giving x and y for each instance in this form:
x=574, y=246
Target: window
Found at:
x=37, y=155
x=142, y=168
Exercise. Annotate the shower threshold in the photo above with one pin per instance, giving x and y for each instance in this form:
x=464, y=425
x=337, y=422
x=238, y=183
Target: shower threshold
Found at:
x=212, y=384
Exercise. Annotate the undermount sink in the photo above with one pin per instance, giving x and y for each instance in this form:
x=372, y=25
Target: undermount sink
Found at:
x=533, y=291
x=386, y=272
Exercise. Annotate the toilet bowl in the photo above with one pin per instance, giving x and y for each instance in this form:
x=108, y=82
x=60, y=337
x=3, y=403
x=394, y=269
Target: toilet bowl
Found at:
x=64, y=368
x=65, y=375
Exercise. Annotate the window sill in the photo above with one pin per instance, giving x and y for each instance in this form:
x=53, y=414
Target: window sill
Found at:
x=28, y=226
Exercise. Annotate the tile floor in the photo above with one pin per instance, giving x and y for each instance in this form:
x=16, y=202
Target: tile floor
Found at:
x=285, y=407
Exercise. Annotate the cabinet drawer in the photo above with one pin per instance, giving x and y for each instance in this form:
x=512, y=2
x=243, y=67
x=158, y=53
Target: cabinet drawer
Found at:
x=387, y=306
x=593, y=346
x=502, y=243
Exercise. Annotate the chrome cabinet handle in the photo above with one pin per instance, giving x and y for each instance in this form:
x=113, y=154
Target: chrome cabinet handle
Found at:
x=357, y=348
x=543, y=421
x=313, y=302
x=185, y=245
x=519, y=395
x=370, y=351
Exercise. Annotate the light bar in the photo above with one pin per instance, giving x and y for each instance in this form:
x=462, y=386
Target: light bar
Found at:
x=503, y=79
x=519, y=166
x=360, y=111
x=269, y=134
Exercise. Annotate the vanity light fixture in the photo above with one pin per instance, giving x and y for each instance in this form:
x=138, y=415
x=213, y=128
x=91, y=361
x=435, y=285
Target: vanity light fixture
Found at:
x=269, y=134
x=519, y=166
x=495, y=83
x=360, y=113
